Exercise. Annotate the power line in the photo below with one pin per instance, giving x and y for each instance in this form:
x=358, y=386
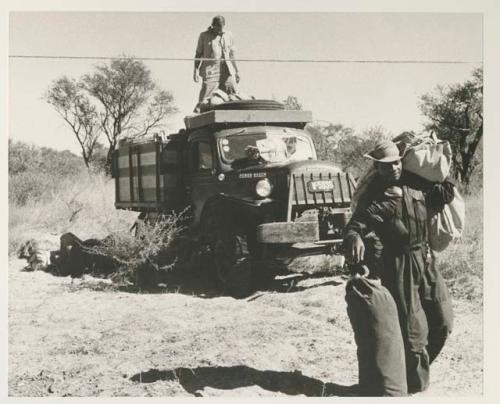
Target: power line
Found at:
x=161, y=59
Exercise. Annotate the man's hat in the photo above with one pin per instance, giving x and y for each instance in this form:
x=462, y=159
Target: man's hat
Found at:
x=384, y=152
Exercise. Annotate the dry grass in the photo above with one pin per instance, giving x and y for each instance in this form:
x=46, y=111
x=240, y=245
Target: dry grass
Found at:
x=84, y=205
x=462, y=263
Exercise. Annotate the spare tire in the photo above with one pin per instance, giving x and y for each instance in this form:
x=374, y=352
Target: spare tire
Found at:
x=250, y=104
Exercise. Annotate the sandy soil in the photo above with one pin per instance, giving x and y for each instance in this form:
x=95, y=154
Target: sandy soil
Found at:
x=84, y=338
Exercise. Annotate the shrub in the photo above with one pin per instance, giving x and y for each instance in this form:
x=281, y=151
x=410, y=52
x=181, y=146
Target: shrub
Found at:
x=36, y=173
x=148, y=253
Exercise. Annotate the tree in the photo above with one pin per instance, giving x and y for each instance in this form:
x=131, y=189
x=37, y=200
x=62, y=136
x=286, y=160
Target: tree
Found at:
x=120, y=99
x=455, y=114
x=74, y=107
x=326, y=138
x=341, y=144
x=352, y=148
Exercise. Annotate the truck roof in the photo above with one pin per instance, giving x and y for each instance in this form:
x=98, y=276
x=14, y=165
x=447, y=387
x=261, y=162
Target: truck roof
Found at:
x=294, y=118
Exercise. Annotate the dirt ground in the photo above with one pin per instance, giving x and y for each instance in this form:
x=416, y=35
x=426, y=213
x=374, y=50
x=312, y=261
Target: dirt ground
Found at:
x=81, y=337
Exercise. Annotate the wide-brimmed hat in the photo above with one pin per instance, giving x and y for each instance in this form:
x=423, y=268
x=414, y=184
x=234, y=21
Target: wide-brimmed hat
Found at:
x=384, y=152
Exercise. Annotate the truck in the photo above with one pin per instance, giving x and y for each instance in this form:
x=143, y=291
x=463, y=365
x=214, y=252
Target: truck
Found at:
x=258, y=197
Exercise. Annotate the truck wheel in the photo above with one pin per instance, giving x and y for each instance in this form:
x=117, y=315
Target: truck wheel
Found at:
x=233, y=268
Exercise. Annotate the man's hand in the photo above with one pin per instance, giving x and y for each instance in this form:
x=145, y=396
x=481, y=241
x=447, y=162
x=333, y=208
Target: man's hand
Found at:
x=196, y=76
x=237, y=77
x=356, y=251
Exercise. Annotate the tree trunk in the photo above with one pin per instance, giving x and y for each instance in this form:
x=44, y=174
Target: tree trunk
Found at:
x=109, y=160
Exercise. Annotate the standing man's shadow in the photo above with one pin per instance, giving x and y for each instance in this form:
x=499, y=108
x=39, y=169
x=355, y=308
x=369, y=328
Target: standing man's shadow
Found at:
x=233, y=377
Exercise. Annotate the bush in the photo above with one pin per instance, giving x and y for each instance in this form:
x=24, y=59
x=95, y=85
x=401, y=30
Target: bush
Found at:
x=36, y=173
x=29, y=185
x=83, y=205
x=143, y=256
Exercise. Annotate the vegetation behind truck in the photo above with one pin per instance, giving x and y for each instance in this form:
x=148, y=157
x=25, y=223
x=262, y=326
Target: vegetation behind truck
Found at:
x=259, y=199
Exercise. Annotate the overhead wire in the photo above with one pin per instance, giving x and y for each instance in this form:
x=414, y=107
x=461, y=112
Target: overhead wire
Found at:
x=268, y=60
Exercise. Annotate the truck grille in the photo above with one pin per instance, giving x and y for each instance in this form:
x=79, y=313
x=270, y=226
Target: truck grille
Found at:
x=339, y=194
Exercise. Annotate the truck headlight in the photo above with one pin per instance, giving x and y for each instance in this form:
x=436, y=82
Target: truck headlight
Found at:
x=264, y=188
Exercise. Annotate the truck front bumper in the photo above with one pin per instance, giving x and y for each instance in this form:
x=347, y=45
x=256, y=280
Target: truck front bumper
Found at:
x=297, y=246
x=288, y=232
x=293, y=233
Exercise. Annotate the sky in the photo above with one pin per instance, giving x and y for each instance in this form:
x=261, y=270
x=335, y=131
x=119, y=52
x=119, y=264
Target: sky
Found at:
x=360, y=95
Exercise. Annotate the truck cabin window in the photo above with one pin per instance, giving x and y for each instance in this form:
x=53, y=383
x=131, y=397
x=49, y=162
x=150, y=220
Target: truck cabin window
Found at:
x=203, y=156
x=271, y=147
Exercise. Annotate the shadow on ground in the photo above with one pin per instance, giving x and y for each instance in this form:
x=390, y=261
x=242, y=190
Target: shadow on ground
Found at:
x=203, y=286
x=193, y=380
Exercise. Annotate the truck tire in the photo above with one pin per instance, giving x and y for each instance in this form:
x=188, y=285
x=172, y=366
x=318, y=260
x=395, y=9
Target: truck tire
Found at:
x=250, y=104
x=232, y=264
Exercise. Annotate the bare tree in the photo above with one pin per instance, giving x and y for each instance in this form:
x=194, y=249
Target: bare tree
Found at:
x=130, y=103
x=118, y=99
x=74, y=107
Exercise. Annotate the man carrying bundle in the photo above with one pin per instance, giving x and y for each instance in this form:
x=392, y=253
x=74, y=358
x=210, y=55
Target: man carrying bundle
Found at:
x=395, y=207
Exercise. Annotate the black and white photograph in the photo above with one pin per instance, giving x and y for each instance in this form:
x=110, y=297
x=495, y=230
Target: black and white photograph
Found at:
x=225, y=203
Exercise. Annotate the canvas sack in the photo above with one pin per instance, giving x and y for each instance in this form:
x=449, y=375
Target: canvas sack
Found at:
x=374, y=318
x=430, y=160
x=447, y=225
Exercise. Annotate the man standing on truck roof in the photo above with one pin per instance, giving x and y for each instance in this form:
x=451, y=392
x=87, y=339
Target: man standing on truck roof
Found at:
x=396, y=209
x=221, y=71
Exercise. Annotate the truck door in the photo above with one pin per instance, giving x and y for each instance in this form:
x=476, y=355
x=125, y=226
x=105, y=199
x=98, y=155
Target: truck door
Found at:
x=204, y=183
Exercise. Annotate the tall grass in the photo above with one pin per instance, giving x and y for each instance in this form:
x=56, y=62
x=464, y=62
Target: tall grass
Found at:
x=462, y=262
x=82, y=204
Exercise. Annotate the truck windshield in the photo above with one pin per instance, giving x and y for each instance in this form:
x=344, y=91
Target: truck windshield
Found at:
x=269, y=146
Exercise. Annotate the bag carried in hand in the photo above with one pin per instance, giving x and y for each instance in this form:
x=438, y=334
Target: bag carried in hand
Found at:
x=425, y=156
x=447, y=225
x=381, y=355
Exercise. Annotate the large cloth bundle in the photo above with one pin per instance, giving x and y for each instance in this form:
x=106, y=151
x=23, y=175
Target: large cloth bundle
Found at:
x=447, y=225
x=381, y=356
x=219, y=97
x=426, y=156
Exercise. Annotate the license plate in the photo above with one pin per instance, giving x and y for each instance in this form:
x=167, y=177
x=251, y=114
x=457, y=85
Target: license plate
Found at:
x=320, y=186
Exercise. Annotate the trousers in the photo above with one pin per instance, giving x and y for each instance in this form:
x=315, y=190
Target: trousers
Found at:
x=425, y=312
x=224, y=81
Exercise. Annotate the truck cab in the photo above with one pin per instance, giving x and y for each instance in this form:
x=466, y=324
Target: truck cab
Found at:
x=257, y=195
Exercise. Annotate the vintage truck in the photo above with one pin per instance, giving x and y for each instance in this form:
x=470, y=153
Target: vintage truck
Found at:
x=248, y=172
